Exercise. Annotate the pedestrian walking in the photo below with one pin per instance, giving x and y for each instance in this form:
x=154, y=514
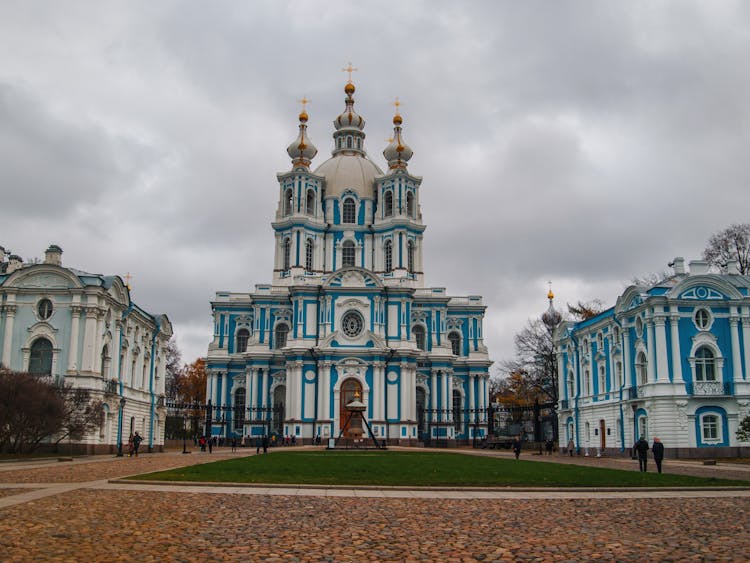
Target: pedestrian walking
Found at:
x=130, y=446
x=265, y=444
x=202, y=443
x=258, y=444
x=658, y=450
x=211, y=444
x=571, y=447
x=641, y=447
x=234, y=444
x=137, y=443
x=549, y=445
x=517, y=446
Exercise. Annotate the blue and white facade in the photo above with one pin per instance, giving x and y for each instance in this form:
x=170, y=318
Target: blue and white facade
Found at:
x=669, y=361
x=347, y=312
x=84, y=329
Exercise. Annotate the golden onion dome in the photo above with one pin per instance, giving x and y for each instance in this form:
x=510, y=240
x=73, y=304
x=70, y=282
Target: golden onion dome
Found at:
x=397, y=119
x=303, y=117
x=349, y=88
x=550, y=295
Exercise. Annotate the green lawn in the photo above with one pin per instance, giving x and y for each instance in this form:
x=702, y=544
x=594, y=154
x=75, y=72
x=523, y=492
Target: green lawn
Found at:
x=418, y=469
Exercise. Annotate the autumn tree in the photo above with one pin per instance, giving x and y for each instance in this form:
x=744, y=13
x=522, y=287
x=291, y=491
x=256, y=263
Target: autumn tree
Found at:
x=733, y=243
x=191, y=386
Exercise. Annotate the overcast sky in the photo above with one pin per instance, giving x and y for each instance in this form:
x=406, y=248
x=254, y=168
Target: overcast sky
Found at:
x=578, y=142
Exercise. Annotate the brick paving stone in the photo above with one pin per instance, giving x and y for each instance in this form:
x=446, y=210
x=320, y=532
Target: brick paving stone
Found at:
x=12, y=492
x=98, y=525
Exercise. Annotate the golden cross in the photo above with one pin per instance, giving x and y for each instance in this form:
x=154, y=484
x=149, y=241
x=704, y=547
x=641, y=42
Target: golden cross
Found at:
x=349, y=69
x=304, y=101
x=397, y=104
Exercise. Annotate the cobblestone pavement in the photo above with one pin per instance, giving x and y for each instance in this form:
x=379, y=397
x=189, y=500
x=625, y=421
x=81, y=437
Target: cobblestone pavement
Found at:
x=76, y=515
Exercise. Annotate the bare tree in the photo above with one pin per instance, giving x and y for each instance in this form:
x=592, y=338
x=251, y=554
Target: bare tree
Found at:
x=173, y=369
x=31, y=410
x=81, y=414
x=733, y=243
x=585, y=310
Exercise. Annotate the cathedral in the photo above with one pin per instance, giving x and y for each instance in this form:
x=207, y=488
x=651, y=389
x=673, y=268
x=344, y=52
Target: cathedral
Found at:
x=347, y=316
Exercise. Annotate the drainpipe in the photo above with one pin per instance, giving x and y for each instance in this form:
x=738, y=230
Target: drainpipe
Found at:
x=121, y=386
x=151, y=390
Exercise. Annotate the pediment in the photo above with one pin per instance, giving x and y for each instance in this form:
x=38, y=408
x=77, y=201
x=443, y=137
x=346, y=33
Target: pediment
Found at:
x=354, y=277
x=43, y=277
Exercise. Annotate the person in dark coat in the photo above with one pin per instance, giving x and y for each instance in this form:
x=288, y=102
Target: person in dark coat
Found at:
x=641, y=447
x=517, y=447
x=658, y=450
x=265, y=444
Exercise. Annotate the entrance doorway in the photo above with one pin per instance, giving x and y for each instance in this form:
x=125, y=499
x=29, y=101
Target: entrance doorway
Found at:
x=279, y=403
x=349, y=389
x=602, y=434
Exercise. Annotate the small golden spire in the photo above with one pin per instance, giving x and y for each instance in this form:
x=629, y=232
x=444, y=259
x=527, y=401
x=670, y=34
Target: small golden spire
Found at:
x=128, y=277
x=397, y=105
x=349, y=69
x=304, y=101
x=550, y=295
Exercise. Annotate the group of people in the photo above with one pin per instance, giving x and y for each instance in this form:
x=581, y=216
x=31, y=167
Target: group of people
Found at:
x=657, y=449
x=134, y=442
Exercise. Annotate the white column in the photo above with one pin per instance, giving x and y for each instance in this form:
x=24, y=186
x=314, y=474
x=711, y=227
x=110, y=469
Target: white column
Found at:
x=377, y=390
x=98, y=339
x=75, y=323
x=89, y=339
x=10, y=315
x=736, y=356
x=674, y=329
x=116, y=351
x=449, y=395
x=326, y=390
x=651, y=363
x=746, y=339
x=264, y=398
x=433, y=395
x=472, y=399
x=444, y=393
x=248, y=388
x=220, y=386
x=405, y=395
x=662, y=363
x=626, y=357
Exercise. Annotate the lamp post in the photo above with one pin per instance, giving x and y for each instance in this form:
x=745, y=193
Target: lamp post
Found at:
x=184, y=433
x=119, y=427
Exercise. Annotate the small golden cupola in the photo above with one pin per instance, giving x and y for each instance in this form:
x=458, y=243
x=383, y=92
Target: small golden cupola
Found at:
x=397, y=153
x=302, y=150
x=551, y=317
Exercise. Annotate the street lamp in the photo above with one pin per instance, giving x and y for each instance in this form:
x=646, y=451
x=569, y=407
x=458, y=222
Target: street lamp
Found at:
x=119, y=427
x=184, y=433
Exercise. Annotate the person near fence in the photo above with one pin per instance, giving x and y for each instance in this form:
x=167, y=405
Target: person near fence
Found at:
x=641, y=447
x=571, y=447
x=517, y=446
x=658, y=450
x=137, y=442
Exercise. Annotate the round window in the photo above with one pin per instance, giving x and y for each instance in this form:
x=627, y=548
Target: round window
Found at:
x=702, y=319
x=44, y=308
x=639, y=326
x=352, y=324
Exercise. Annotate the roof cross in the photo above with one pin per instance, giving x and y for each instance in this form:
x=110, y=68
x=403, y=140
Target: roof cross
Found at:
x=397, y=104
x=349, y=69
x=304, y=101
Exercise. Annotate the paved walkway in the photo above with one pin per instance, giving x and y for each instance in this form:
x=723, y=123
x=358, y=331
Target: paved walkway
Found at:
x=71, y=511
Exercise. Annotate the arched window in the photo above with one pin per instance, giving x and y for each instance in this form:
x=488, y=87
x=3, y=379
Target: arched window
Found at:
x=309, y=246
x=310, y=202
x=388, y=204
x=280, y=334
x=243, y=336
x=419, y=336
x=348, y=142
x=710, y=428
x=388, y=251
x=618, y=370
x=104, y=367
x=602, y=380
x=287, y=254
x=239, y=409
x=40, y=362
x=349, y=214
x=705, y=364
x=587, y=382
x=288, y=202
x=347, y=254
x=455, y=339
x=410, y=204
x=641, y=368
x=571, y=385
x=410, y=256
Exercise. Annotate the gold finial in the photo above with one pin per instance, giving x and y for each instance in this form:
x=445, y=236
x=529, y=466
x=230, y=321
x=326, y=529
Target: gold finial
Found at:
x=349, y=69
x=128, y=277
x=550, y=295
x=304, y=101
x=397, y=105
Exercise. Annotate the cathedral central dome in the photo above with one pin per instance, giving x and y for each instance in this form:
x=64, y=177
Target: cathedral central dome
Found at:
x=349, y=171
